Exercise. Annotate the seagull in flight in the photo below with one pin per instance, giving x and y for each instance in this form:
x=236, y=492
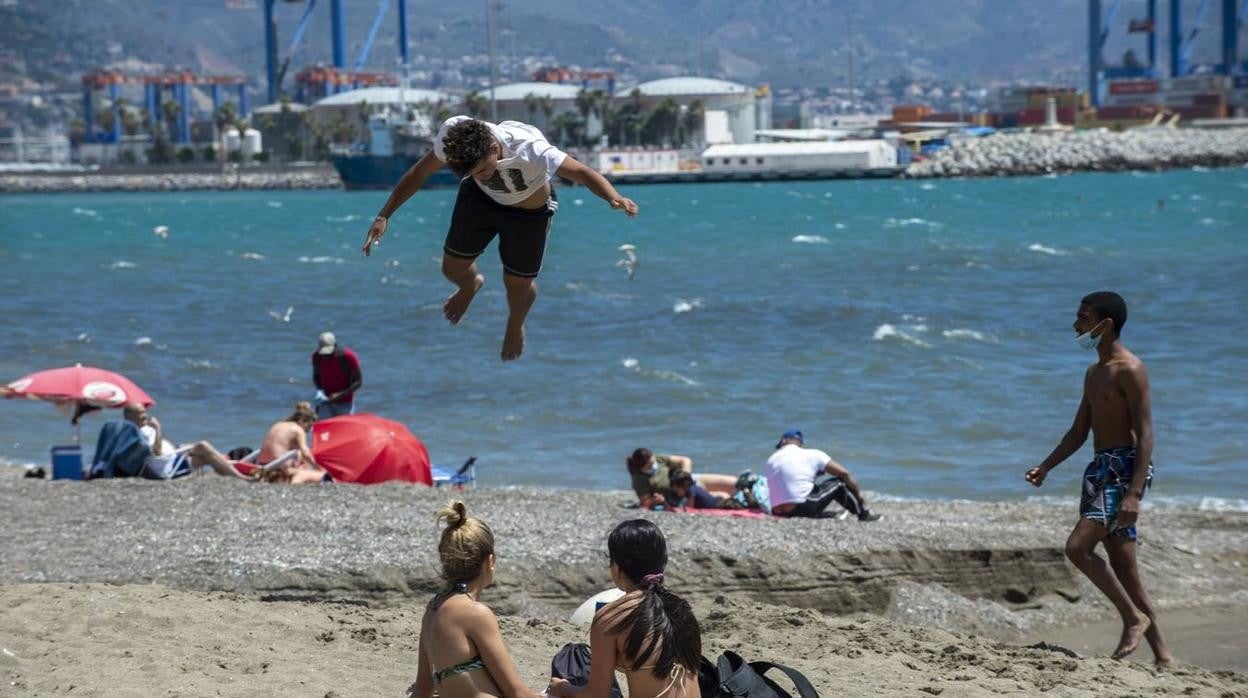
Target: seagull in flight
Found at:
x=280, y=317
x=629, y=261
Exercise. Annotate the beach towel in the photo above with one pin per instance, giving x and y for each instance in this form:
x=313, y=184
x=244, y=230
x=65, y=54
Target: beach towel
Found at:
x=119, y=451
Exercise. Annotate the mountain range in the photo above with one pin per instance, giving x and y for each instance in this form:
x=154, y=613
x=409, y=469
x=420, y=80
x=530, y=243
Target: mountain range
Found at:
x=788, y=43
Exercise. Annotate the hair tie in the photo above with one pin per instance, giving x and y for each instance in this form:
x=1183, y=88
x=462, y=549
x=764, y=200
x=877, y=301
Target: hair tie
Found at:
x=461, y=586
x=652, y=580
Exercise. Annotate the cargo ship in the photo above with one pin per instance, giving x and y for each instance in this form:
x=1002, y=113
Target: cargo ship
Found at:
x=392, y=148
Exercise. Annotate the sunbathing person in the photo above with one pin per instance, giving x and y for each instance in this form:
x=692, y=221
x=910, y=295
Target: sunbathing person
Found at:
x=691, y=495
x=651, y=476
x=462, y=654
x=650, y=634
x=290, y=434
x=165, y=462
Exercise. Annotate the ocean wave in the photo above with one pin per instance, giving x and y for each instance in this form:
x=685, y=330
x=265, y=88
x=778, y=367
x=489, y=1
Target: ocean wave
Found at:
x=143, y=342
x=633, y=364
x=199, y=363
x=927, y=186
x=122, y=264
x=889, y=331
x=322, y=260
x=1208, y=221
x=343, y=219
x=1037, y=247
x=273, y=204
x=89, y=213
x=810, y=239
x=965, y=334
x=252, y=255
x=684, y=306
x=907, y=222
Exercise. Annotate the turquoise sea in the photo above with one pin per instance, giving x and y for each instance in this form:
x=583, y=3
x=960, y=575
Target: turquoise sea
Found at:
x=917, y=331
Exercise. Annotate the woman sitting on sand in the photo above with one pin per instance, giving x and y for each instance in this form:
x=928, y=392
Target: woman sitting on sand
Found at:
x=649, y=634
x=461, y=650
x=651, y=476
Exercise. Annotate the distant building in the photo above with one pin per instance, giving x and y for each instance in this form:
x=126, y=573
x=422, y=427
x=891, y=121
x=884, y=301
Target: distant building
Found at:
x=541, y=104
x=739, y=105
x=355, y=106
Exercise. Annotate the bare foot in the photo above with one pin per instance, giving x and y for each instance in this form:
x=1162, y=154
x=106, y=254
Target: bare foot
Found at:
x=1131, y=636
x=457, y=303
x=1164, y=663
x=513, y=342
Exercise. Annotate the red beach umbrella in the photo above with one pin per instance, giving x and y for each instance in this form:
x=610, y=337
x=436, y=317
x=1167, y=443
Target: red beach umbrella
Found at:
x=367, y=449
x=84, y=385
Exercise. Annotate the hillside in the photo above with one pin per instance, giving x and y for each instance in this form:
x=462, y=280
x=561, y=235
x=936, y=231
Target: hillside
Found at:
x=785, y=42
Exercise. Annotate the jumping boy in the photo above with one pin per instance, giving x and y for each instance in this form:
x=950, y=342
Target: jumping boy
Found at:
x=1115, y=407
x=505, y=190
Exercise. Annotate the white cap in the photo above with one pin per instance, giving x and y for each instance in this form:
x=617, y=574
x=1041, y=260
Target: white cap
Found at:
x=327, y=342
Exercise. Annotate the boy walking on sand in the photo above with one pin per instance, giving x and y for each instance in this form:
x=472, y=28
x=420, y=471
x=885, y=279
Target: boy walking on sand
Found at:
x=506, y=170
x=1116, y=408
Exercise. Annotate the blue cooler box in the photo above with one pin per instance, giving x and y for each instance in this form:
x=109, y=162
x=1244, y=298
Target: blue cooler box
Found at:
x=66, y=462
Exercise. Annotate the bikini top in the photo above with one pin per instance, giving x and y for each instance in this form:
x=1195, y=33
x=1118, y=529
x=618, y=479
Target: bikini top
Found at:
x=440, y=675
x=676, y=677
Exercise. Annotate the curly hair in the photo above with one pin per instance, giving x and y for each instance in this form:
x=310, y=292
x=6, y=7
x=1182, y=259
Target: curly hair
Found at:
x=466, y=144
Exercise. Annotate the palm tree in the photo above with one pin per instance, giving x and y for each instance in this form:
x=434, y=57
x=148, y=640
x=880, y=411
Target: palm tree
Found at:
x=548, y=108
x=170, y=110
x=476, y=104
x=531, y=103
x=692, y=122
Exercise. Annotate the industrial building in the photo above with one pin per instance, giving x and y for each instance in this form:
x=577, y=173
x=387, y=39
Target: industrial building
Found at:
x=733, y=111
x=541, y=103
x=356, y=106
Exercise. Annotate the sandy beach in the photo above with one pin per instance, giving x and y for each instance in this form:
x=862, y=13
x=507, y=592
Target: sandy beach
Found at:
x=209, y=586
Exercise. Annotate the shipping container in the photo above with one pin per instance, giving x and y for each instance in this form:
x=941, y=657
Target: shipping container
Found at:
x=1136, y=112
x=1132, y=87
x=1209, y=100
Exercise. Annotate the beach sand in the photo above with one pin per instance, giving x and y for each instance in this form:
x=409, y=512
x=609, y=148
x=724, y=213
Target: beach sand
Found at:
x=216, y=587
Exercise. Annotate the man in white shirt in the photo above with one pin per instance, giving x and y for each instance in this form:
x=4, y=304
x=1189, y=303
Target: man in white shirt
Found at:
x=805, y=481
x=506, y=170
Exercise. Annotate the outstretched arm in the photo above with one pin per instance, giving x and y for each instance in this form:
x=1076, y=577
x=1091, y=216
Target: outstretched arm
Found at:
x=305, y=453
x=409, y=184
x=576, y=171
x=1135, y=388
x=1071, y=442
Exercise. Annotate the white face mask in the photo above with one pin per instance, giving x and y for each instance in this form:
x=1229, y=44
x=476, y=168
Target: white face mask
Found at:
x=1087, y=341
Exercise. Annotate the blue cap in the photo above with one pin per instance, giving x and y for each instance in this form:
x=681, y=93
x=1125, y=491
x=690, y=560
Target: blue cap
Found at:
x=790, y=434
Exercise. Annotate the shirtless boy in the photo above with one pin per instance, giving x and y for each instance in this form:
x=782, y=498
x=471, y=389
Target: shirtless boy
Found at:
x=1116, y=408
x=506, y=170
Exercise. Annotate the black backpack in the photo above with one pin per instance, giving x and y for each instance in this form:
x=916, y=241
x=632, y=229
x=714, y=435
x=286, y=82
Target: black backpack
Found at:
x=733, y=677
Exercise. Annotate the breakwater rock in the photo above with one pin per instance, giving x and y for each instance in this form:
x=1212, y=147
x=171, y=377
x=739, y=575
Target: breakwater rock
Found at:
x=1010, y=154
x=301, y=178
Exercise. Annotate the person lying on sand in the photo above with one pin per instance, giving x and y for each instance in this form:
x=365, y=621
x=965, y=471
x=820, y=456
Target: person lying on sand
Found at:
x=1117, y=409
x=651, y=476
x=462, y=654
x=650, y=634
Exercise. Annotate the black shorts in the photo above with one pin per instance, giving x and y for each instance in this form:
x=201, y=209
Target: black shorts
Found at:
x=521, y=232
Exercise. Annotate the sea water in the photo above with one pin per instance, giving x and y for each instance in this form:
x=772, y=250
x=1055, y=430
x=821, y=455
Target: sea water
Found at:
x=919, y=332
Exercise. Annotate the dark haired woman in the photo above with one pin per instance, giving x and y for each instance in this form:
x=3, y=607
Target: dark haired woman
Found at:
x=649, y=634
x=462, y=654
x=651, y=476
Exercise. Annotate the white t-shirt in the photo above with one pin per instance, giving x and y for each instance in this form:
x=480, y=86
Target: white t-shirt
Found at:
x=527, y=162
x=164, y=464
x=791, y=473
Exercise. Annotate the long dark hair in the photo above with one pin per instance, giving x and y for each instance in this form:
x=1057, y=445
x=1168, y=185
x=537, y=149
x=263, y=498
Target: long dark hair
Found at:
x=639, y=459
x=661, y=629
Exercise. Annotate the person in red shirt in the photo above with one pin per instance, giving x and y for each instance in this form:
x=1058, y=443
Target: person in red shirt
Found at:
x=336, y=373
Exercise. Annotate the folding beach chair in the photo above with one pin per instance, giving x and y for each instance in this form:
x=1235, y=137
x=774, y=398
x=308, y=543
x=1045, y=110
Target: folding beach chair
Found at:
x=460, y=479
